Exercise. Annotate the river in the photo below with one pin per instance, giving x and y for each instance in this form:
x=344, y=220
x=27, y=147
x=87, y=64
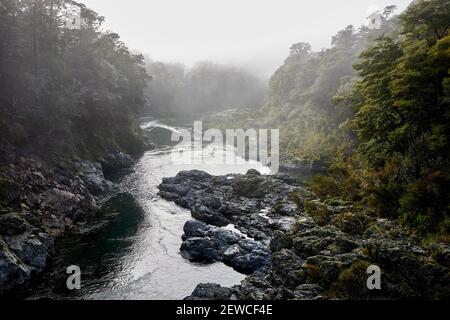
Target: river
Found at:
x=135, y=254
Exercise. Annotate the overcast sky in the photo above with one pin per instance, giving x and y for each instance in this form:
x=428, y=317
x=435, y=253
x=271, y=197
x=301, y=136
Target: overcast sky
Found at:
x=255, y=34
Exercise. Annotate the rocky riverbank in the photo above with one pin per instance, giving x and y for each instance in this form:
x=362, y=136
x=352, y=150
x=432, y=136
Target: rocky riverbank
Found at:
x=293, y=246
x=41, y=202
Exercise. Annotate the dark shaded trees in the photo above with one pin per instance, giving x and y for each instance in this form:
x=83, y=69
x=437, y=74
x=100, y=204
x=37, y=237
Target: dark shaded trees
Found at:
x=402, y=119
x=376, y=108
x=71, y=91
x=393, y=154
x=427, y=20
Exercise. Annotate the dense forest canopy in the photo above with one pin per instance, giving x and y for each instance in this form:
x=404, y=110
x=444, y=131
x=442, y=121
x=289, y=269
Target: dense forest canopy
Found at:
x=66, y=90
x=402, y=120
x=301, y=92
x=376, y=108
x=175, y=90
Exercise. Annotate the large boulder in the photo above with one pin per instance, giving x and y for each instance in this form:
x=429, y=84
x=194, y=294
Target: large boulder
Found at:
x=253, y=172
x=408, y=264
x=211, y=291
x=13, y=272
x=194, y=175
x=115, y=161
x=13, y=224
x=209, y=216
x=178, y=189
x=60, y=200
x=32, y=250
x=237, y=199
x=91, y=174
x=204, y=243
x=319, y=240
x=159, y=136
x=251, y=186
x=21, y=256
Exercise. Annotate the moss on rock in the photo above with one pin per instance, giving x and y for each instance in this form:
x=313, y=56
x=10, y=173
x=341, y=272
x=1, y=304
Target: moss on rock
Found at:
x=351, y=283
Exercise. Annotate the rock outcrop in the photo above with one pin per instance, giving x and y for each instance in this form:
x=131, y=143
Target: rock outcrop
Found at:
x=39, y=203
x=115, y=161
x=317, y=249
x=204, y=243
x=256, y=205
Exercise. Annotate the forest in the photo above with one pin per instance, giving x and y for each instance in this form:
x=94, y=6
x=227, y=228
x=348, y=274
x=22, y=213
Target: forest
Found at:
x=88, y=177
x=175, y=91
x=374, y=110
x=66, y=91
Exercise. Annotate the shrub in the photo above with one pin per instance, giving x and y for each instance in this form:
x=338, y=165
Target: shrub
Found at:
x=318, y=211
x=351, y=283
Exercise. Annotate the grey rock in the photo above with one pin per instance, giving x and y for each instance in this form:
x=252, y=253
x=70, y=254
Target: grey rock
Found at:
x=30, y=250
x=252, y=186
x=149, y=145
x=114, y=161
x=280, y=241
x=211, y=291
x=209, y=216
x=203, y=243
x=253, y=172
x=12, y=224
x=12, y=271
x=305, y=260
x=60, y=201
x=91, y=174
x=214, y=200
x=287, y=269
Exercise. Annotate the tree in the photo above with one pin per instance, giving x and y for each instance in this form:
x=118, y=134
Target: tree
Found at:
x=206, y=87
x=384, y=125
x=344, y=38
x=428, y=19
x=376, y=116
x=66, y=91
x=403, y=119
x=300, y=49
x=388, y=11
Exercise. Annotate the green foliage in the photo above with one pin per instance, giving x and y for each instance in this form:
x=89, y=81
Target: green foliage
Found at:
x=66, y=91
x=402, y=119
x=376, y=107
x=324, y=185
x=318, y=211
x=351, y=283
x=401, y=105
x=425, y=203
x=352, y=222
x=427, y=20
x=344, y=179
x=303, y=93
x=376, y=115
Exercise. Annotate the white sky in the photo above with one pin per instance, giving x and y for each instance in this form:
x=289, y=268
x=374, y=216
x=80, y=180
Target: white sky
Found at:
x=255, y=34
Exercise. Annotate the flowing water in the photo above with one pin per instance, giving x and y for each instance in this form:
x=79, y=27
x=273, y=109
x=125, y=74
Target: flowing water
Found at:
x=135, y=255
